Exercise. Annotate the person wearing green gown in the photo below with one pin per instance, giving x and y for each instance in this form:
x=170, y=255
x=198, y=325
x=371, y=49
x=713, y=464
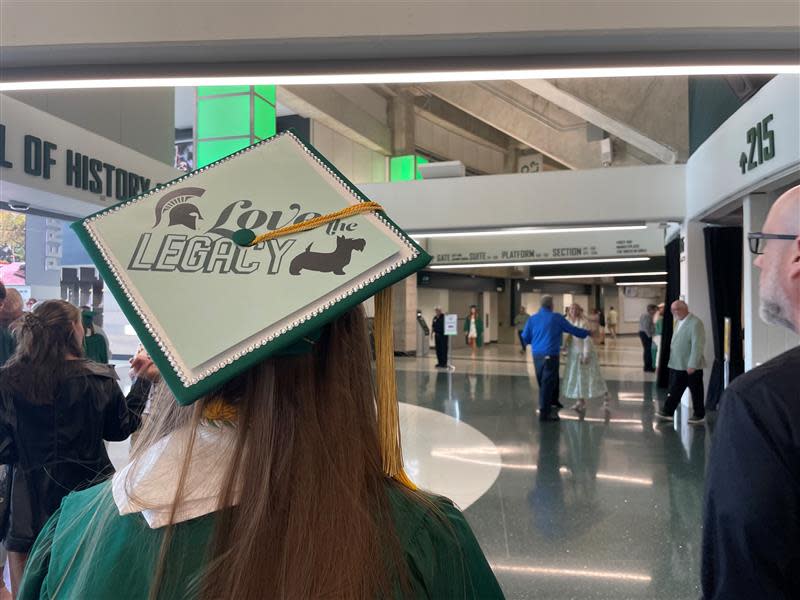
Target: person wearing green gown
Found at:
x=271, y=487
x=95, y=345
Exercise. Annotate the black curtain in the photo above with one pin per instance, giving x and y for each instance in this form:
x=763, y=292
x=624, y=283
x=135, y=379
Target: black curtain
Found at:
x=673, y=256
x=724, y=267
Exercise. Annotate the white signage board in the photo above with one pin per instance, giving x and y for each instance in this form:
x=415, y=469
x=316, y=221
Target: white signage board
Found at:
x=759, y=141
x=54, y=165
x=547, y=246
x=451, y=324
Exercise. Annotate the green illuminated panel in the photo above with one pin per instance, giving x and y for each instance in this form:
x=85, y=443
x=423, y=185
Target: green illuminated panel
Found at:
x=213, y=90
x=223, y=117
x=264, y=122
x=404, y=168
x=209, y=151
x=401, y=168
x=230, y=118
x=421, y=160
x=267, y=92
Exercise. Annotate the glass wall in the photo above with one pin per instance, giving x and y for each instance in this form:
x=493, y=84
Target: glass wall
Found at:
x=42, y=258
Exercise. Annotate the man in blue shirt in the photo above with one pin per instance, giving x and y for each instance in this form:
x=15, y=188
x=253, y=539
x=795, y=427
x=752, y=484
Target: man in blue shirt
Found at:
x=543, y=332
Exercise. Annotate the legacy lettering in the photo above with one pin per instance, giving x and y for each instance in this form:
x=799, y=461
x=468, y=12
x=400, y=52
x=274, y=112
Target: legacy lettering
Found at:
x=184, y=254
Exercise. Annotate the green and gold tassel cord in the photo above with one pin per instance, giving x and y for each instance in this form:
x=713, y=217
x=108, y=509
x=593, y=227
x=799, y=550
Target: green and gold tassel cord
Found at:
x=388, y=409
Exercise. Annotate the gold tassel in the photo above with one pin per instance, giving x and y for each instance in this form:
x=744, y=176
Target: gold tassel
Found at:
x=388, y=410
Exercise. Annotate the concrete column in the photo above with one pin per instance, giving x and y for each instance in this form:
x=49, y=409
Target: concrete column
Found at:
x=511, y=158
x=694, y=287
x=404, y=314
x=404, y=300
x=761, y=341
x=401, y=123
x=505, y=317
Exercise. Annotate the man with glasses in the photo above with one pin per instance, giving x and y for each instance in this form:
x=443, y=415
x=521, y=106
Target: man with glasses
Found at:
x=751, y=533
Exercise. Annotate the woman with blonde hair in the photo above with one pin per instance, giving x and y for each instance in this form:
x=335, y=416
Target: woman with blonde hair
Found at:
x=56, y=411
x=582, y=378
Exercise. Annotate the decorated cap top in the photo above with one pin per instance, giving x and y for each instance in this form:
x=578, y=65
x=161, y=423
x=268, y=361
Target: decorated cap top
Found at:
x=244, y=259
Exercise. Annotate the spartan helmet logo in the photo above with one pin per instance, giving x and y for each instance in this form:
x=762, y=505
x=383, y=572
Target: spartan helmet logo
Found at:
x=181, y=211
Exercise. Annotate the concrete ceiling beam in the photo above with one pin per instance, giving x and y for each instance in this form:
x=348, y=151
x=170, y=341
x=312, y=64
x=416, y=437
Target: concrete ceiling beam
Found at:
x=334, y=110
x=589, y=113
x=657, y=107
x=567, y=147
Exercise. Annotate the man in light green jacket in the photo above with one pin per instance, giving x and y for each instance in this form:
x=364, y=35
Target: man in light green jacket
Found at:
x=686, y=363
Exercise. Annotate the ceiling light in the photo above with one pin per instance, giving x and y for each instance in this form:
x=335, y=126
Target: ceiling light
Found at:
x=594, y=275
x=627, y=283
x=538, y=263
x=406, y=77
x=523, y=231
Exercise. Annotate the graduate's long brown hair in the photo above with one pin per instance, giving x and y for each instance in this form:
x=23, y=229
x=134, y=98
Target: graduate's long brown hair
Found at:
x=313, y=519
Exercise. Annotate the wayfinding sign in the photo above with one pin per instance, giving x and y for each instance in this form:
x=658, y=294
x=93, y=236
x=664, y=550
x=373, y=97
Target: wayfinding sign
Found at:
x=451, y=324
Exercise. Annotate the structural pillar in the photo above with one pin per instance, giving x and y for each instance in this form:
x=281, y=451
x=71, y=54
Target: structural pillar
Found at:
x=511, y=158
x=404, y=315
x=230, y=118
x=694, y=288
x=401, y=122
x=402, y=167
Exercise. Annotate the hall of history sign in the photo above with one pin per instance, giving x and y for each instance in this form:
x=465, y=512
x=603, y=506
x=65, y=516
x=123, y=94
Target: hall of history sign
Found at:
x=546, y=246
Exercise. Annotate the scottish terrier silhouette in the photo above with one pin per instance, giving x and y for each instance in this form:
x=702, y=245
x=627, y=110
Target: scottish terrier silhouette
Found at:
x=327, y=262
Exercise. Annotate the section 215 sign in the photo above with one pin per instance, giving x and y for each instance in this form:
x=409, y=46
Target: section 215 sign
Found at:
x=762, y=146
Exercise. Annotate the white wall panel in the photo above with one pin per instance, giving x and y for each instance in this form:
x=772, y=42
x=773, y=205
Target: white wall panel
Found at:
x=343, y=155
x=713, y=174
x=358, y=163
x=623, y=194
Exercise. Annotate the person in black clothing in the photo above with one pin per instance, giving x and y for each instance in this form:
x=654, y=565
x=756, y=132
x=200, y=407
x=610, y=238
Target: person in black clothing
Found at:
x=10, y=310
x=7, y=346
x=751, y=532
x=647, y=330
x=56, y=410
x=439, y=338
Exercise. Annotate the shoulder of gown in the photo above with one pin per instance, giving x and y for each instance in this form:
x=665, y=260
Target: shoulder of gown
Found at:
x=444, y=557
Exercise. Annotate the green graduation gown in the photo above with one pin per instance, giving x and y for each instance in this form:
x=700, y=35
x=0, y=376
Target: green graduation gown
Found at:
x=95, y=348
x=442, y=565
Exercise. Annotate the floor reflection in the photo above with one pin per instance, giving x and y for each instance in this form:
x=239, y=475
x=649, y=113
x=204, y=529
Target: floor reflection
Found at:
x=604, y=507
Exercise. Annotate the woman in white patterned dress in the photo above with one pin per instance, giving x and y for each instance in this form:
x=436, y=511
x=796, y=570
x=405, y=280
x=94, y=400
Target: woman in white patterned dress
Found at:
x=582, y=378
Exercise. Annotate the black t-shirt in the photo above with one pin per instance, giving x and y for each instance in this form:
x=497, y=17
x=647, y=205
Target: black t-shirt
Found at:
x=751, y=533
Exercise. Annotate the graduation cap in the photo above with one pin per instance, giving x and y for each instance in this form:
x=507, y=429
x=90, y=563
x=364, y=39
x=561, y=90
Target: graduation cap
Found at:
x=275, y=237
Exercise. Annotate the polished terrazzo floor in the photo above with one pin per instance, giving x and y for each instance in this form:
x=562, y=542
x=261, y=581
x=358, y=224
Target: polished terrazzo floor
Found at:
x=604, y=507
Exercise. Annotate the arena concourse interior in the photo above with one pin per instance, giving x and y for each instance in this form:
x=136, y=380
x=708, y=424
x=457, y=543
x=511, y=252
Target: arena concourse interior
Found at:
x=436, y=300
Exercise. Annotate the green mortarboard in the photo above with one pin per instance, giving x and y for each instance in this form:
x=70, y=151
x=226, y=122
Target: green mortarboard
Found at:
x=209, y=296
